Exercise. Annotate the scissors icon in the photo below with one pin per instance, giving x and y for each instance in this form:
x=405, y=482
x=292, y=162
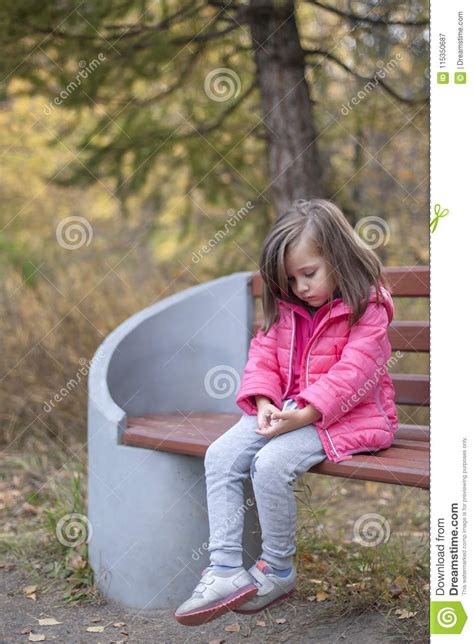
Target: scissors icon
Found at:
x=438, y=214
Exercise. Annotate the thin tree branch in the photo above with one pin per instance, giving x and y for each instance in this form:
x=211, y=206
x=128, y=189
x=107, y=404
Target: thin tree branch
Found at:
x=188, y=67
x=373, y=78
x=206, y=129
x=210, y=35
x=201, y=37
x=182, y=13
x=225, y=4
x=376, y=22
x=113, y=31
x=199, y=129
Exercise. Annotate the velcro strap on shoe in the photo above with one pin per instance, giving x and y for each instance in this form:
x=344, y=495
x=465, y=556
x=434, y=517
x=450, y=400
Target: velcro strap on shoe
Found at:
x=266, y=585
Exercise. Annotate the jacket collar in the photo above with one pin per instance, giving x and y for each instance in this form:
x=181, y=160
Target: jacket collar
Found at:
x=302, y=310
x=339, y=307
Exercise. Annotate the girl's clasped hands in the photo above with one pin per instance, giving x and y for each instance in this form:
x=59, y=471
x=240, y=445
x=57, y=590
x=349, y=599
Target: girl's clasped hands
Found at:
x=272, y=422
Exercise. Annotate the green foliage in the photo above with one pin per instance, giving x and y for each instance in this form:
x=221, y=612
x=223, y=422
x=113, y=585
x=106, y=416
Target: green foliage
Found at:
x=147, y=98
x=15, y=253
x=71, y=564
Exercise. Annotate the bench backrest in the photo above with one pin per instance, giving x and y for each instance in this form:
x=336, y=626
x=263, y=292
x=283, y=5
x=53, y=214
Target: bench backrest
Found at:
x=405, y=336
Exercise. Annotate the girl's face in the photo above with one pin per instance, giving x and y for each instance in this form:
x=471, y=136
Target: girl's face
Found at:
x=309, y=275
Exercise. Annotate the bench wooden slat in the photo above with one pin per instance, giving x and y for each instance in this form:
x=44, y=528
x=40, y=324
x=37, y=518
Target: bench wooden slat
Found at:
x=170, y=432
x=399, y=453
x=407, y=459
x=417, y=444
x=160, y=426
x=208, y=422
x=409, y=336
x=374, y=468
x=413, y=432
x=215, y=424
x=404, y=281
x=404, y=336
x=408, y=281
x=411, y=389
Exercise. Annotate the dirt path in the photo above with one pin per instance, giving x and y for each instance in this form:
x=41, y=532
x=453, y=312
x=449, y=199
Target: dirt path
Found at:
x=304, y=622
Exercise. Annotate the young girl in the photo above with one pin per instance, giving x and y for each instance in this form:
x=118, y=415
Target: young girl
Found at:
x=315, y=386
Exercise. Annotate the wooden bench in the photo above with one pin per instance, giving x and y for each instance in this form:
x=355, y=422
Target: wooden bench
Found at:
x=152, y=416
x=406, y=462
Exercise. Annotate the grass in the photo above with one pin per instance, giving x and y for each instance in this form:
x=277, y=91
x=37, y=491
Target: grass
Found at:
x=45, y=525
x=358, y=551
x=42, y=485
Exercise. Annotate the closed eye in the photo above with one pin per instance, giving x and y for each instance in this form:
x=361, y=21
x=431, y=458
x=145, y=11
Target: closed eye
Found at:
x=291, y=279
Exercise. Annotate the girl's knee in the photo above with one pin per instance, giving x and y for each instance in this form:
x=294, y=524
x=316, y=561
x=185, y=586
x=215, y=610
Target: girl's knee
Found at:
x=219, y=452
x=265, y=470
x=213, y=454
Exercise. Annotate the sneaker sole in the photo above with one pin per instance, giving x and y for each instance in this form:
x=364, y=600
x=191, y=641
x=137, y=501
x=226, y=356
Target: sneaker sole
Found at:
x=277, y=600
x=217, y=608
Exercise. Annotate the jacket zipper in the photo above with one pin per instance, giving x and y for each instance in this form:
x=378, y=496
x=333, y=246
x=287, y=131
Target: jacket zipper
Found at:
x=307, y=365
x=307, y=381
x=290, y=373
x=293, y=333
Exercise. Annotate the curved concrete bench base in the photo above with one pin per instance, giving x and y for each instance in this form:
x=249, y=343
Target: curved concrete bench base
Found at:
x=147, y=509
x=150, y=527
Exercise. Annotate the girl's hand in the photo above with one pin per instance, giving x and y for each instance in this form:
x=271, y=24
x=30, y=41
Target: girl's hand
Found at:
x=281, y=422
x=265, y=410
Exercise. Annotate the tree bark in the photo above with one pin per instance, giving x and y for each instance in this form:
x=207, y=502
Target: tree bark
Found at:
x=295, y=166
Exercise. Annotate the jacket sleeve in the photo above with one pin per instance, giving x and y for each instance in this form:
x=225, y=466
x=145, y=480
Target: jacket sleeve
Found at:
x=360, y=367
x=262, y=373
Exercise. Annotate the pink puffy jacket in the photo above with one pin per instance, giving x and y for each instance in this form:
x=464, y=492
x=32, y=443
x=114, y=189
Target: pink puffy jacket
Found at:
x=343, y=374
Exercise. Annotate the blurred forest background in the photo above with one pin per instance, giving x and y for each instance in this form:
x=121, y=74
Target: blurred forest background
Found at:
x=146, y=146
x=132, y=132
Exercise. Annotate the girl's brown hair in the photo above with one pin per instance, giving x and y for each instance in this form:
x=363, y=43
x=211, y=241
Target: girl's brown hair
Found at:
x=356, y=268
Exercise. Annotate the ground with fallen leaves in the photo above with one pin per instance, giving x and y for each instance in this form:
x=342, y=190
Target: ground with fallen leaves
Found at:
x=347, y=589
x=46, y=618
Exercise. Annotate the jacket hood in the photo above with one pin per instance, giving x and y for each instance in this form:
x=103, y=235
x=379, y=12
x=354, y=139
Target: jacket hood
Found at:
x=339, y=307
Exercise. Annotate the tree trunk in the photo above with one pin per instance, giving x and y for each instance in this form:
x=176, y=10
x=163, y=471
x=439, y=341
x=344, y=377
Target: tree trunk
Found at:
x=295, y=167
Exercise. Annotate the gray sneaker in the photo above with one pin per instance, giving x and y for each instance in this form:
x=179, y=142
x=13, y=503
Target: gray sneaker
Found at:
x=272, y=589
x=216, y=593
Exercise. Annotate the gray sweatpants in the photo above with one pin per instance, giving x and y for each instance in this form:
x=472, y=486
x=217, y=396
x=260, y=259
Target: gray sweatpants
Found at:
x=273, y=464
